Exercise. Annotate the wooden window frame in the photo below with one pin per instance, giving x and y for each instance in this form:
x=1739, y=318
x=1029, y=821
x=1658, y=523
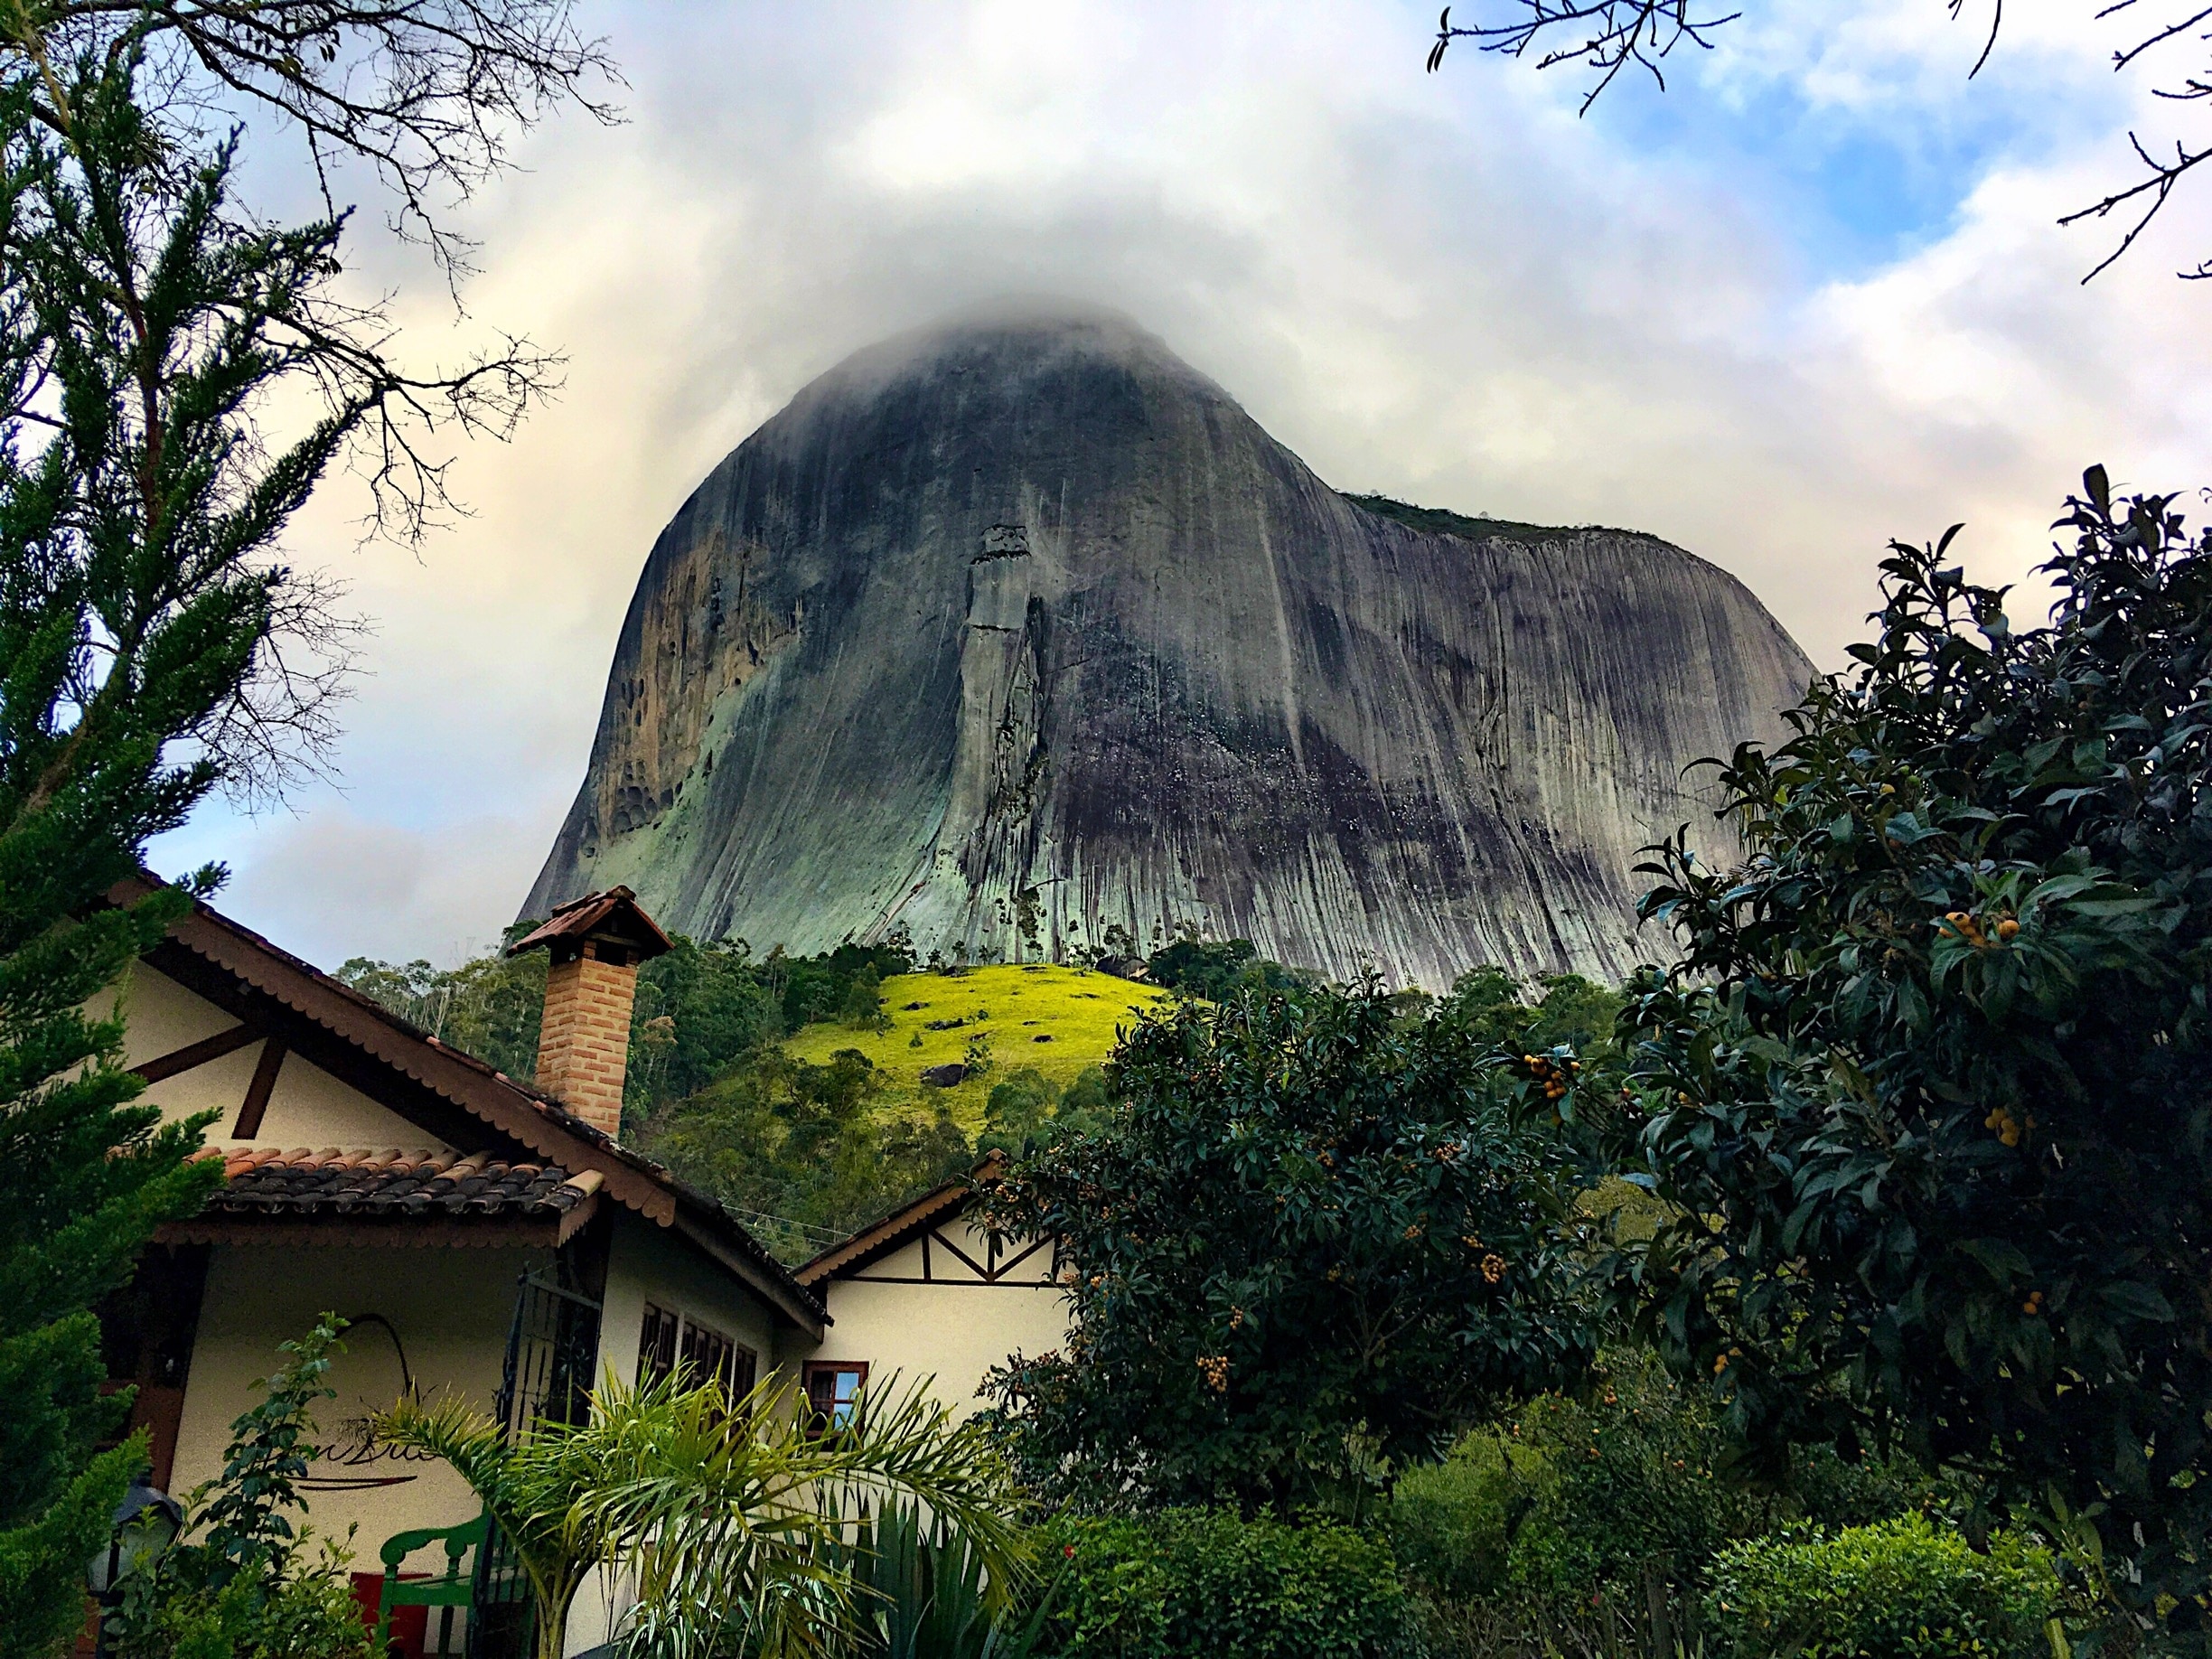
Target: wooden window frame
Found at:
x=668, y=1340
x=659, y=1344
x=744, y=1375
x=824, y=1422
x=734, y=1365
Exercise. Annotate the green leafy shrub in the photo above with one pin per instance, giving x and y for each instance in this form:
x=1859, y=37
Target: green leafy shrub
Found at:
x=1628, y=1485
x=1927, y=1090
x=1206, y=1582
x=1378, y=1257
x=1624, y=1484
x=307, y=1615
x=1452, y=1523
x=1903, y=1588
x=240, y=1582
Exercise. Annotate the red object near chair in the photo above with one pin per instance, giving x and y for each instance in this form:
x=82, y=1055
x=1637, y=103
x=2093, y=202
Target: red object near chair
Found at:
x=410, y=1627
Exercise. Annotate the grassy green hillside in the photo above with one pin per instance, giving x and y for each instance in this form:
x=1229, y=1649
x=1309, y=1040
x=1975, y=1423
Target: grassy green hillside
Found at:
x=1057, y=1021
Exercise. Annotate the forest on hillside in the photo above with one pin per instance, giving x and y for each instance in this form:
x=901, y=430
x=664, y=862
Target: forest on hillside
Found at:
x=751, y=1076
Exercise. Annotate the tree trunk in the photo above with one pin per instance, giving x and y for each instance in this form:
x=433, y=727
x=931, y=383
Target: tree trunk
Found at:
x=1655, y=1606
x=552, y=1627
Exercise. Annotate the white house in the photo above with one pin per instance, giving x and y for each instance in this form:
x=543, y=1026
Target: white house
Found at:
x=483, y=1236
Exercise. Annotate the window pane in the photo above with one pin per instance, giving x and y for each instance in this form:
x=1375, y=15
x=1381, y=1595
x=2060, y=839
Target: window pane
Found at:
x=710, y=1356
x=834, y=1391
x=656, y=1344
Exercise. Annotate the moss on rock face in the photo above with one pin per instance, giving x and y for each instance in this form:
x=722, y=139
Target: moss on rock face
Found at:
x=1079, y=1010
x=1443, y=521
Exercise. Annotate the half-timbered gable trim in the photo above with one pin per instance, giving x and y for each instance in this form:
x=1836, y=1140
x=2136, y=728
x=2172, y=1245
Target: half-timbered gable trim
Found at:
x=929, y=1291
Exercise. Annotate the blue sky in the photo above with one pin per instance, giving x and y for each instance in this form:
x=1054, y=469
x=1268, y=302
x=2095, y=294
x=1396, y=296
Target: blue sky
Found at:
x=1808, y=298
x=1851, y=192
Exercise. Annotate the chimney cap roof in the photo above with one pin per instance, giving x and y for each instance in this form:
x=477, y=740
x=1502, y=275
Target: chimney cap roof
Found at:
x=612, y=917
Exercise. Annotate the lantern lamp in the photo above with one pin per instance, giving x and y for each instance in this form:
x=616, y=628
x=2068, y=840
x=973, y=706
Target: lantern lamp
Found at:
x=147, y=1522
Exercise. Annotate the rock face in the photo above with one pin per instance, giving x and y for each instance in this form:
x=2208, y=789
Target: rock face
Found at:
x=1017, y=630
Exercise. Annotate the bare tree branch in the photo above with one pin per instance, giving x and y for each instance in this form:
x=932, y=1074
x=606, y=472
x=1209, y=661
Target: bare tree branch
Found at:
x=2151, y=192
x=1609, y=35
x=1615, y=34
x=157, y=335
x=431, y=94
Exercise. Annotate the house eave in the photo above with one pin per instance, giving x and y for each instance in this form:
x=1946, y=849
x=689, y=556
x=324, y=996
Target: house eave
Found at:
x=359, y=1025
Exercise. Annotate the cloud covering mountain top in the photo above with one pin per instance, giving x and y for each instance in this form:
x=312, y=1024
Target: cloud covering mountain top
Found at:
x=1809, y=298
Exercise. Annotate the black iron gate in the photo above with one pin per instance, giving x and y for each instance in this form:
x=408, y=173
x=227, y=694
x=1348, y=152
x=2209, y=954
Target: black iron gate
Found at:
x=552, y=1347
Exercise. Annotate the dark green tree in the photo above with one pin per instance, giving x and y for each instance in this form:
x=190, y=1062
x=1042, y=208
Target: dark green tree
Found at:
x=1217, y=969
x=1313, y=1238
x=1026, y=1111
x=488, y=1006
x=809, y=1153
x=153, y=645
x=1569, y=1012
x=1930, y=1092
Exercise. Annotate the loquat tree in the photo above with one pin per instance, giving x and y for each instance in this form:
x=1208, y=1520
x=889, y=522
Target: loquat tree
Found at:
x=1929, y=1091
x=1310, y=1239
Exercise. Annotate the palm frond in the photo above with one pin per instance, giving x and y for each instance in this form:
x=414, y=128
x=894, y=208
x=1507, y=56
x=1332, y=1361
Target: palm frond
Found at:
x=739, y=1523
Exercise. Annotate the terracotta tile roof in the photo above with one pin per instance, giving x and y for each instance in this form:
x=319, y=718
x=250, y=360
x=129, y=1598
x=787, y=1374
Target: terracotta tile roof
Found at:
x=613, y=916
x=366, y=1181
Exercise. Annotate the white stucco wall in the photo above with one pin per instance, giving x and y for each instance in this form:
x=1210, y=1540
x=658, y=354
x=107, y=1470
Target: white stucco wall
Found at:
x=308, y=1108
x=646, y=1261
x=652, y=1263
x=450, y=1310
x=450, y=1306
x=953, y=1329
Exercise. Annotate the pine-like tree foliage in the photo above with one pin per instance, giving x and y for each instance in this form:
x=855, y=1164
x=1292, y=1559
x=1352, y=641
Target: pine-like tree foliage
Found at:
x=142, y=324
x=174, y=378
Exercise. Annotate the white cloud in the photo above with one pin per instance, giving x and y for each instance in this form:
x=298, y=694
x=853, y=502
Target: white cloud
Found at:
x=338, y=884
x=1448, y=287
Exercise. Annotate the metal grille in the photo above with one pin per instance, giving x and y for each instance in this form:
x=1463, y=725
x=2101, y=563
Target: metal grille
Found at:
x=552, y=1346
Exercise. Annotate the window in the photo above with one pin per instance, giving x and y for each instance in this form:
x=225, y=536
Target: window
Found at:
x=709, y=1354
x=666, y=1341
x=656, y=1344
x=833, y=1394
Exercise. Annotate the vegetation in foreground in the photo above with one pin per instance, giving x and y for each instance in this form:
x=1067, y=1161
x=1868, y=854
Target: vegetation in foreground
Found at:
x=1914, y=1117
x=245, y=1580
x=1314, y=1235
x=1926, y=1096
x=176, y=375
x=732, y=1517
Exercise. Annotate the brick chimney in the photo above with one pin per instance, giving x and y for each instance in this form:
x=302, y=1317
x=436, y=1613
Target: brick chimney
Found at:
x=583, y=1037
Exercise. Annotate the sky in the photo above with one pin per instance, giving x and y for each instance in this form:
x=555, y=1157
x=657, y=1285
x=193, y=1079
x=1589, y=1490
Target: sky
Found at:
x=1808, y=297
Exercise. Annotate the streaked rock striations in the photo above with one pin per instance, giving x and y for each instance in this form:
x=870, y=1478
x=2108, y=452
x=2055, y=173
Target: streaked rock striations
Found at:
x=1012, y=630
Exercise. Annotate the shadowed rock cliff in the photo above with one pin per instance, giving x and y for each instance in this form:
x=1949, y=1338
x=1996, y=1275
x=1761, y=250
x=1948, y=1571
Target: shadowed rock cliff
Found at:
x=1010, y=631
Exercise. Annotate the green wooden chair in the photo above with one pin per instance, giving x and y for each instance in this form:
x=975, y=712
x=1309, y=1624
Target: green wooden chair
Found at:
x=454, y=1589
